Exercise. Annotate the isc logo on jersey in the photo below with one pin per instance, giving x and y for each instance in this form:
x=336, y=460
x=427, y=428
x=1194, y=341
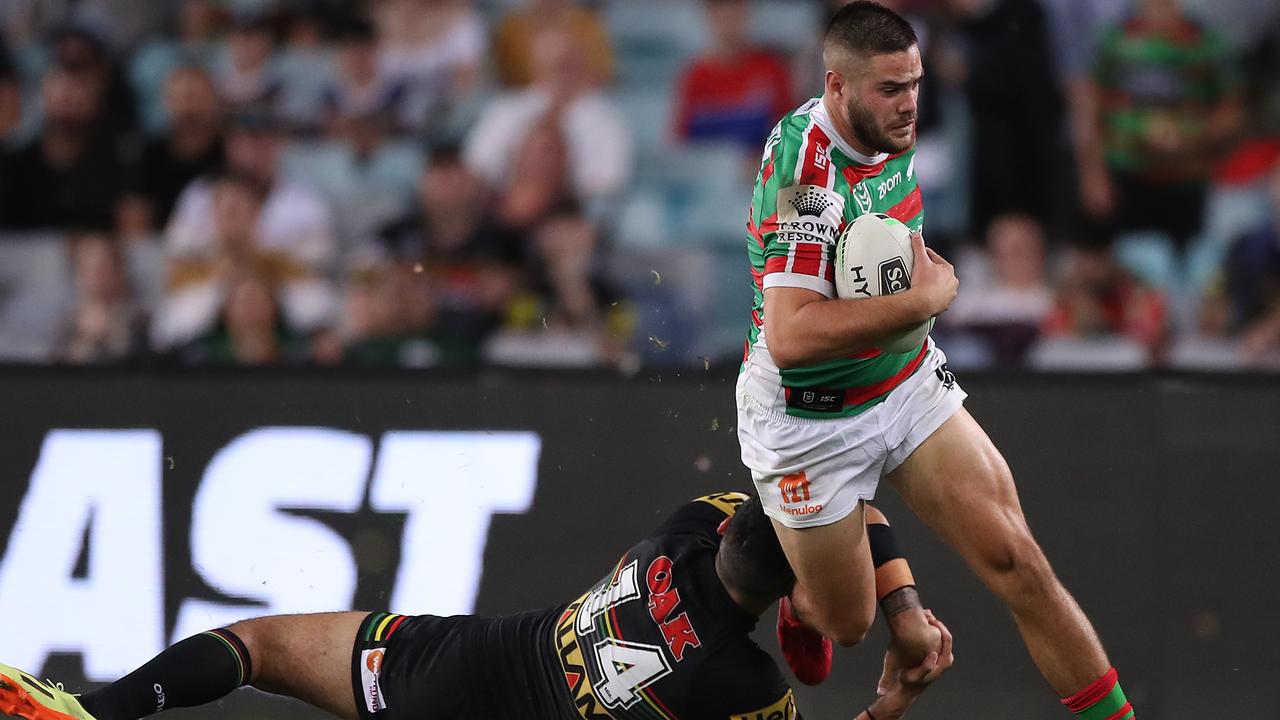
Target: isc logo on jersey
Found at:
x=809, y=213
x=873, y=258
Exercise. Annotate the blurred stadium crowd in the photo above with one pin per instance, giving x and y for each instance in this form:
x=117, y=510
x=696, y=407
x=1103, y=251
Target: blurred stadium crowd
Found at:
x=555, y=183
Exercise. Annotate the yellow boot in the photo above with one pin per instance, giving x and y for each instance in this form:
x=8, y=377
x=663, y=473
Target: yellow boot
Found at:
x=23, y=696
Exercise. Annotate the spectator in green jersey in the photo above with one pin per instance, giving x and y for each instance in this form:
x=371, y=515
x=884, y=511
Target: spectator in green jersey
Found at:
x=1159, y=109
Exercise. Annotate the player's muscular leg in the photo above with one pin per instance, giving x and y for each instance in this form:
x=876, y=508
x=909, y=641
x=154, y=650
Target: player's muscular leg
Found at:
x=835, y=579
x=307, y=657
x=958, y=484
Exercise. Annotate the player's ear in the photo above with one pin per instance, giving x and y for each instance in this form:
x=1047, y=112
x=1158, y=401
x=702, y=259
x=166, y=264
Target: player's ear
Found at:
x=834, y=83
x=724, y=526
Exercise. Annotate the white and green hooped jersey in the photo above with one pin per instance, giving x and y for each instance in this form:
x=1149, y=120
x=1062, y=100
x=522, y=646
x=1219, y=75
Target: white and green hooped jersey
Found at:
x=812, y=183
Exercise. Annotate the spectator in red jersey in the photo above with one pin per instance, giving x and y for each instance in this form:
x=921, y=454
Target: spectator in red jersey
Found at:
x=1100, y=298
x=192, y=147
x=736, y=92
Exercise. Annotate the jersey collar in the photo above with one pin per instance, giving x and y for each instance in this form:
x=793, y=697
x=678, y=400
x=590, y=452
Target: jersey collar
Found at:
x=823, y=119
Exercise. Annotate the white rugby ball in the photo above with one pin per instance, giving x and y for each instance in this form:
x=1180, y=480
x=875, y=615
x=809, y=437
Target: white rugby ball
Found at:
x=873, y=258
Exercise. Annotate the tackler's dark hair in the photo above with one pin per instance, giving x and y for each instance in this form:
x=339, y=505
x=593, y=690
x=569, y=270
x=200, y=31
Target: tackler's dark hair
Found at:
x=752, y=557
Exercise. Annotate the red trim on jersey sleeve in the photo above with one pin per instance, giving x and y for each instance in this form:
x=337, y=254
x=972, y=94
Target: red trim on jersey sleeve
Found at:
x=752, y=230
x=908, y=207
x=775, y=265
x=808, y=259
x=769, y=225
x=817, y=159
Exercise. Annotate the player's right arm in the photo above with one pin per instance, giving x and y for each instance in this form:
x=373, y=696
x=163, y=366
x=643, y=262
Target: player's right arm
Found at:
x=906, y=686
x=913, y=636
x=803, y=327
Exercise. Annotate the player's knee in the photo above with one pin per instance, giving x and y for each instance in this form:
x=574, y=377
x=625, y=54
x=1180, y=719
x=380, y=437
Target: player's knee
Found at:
x=850, y=629
x=1018, y=569
x=257, y=642
x=849, y=638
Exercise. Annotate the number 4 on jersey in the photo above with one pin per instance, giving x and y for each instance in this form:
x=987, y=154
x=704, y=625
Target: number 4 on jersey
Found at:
x=628, y=668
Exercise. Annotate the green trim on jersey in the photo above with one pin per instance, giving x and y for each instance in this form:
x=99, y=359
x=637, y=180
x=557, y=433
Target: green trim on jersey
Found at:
x=888, y=187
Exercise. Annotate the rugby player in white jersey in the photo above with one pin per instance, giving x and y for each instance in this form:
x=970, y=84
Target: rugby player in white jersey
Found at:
x=823, y=415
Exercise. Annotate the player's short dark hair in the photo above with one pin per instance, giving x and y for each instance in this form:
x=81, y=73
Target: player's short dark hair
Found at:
x=752, y=557
x=869, y=28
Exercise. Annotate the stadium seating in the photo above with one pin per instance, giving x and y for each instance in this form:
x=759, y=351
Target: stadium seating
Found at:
x=364, y=194
x=648, y=112
x=689, y=195
x=305, y=74
x=1151, y=257
x=653, y=38
x=1112, y=354
x=784, y=24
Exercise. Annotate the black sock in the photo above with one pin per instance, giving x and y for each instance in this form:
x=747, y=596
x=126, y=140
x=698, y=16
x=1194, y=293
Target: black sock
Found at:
x=196, y=671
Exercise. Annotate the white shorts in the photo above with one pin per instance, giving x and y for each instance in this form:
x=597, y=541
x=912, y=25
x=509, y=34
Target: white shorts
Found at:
x=811, y=472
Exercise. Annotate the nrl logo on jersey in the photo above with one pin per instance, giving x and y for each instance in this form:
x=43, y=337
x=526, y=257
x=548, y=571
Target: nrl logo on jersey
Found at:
x=809, y=213
x=862, y=196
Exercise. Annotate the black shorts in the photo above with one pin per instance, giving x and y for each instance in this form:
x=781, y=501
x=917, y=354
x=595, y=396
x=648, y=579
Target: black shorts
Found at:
x=415, y=668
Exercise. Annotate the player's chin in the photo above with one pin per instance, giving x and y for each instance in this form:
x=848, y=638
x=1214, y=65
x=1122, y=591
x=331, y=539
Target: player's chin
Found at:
x=900, y=139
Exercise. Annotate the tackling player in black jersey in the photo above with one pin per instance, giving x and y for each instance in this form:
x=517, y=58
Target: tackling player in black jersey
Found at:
x=664, y=635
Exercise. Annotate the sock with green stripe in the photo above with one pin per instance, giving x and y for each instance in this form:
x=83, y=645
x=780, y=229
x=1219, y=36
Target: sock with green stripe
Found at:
x=1101, y=700
x=196, y=671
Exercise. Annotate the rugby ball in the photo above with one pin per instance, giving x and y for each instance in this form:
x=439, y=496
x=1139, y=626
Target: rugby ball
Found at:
x=873, y=258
